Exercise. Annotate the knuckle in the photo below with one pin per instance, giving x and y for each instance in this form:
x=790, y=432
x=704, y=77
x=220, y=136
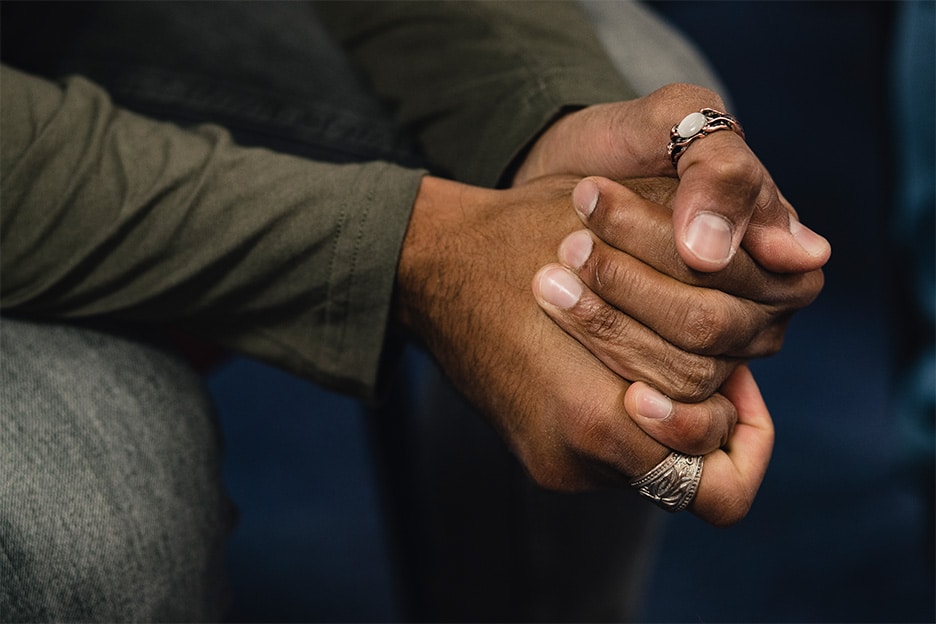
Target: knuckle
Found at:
x=722, y=420
x=589, y=430
x=605, y=272
x=766, y=336
x=693, y=441
x=706, y=433
x=602, y=322
x=696, y=377
x=594, y=434
x=741, y=176
x=719, y=324
x=705, y=324
x=796, y=291
x=769, y=342
x=739, y=171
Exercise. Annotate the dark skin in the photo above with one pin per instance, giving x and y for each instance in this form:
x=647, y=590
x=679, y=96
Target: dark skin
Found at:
x=719, y=178
x=699, y=332
x=463, y=281
x=635, y=342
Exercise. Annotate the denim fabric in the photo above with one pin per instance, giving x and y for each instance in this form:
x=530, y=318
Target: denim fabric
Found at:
x=111, y=506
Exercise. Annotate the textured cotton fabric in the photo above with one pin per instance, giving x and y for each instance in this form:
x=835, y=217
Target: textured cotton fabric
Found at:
x=106, y=212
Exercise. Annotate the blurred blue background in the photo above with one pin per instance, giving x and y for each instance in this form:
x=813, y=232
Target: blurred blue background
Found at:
x=843, y=527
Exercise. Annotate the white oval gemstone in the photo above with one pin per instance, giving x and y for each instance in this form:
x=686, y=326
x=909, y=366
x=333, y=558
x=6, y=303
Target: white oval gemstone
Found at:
x=690, y=125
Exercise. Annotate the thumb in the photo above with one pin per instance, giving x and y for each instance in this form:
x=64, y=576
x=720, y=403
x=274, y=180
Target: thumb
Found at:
x=726, y=198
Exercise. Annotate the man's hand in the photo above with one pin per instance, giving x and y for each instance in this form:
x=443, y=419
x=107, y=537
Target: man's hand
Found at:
x=606, y=293
x=463, y=280
x=726, y=198
x=738, y=313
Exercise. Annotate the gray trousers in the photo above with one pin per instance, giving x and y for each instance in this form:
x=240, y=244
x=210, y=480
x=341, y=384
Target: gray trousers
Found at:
x=111, y=505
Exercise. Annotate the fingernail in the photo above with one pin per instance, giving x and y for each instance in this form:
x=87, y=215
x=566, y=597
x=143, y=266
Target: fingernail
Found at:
x=560, y=288
x=709, y=237
x=575, y=249
x=814, y=244
x=652, y=404
x=585, y=198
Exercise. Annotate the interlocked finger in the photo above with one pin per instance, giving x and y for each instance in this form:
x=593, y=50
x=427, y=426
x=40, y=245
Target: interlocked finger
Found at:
x=697, y=319
x=625, y=345
x=637, y=221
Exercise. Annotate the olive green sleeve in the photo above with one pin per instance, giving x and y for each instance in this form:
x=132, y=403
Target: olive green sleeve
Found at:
x=103, y=212
x=476, y=81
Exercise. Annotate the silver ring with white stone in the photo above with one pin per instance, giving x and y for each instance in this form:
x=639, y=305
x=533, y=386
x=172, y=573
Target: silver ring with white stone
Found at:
x=673, y=483
x=695, y=126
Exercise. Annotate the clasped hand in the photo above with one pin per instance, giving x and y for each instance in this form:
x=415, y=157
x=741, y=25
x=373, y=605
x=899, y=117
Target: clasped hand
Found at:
x=725, y=201
x=680, y=337
x=638, y=351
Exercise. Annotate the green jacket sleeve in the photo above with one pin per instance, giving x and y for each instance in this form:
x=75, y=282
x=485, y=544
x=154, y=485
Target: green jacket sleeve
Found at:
x=476, y=82
x=103, y=212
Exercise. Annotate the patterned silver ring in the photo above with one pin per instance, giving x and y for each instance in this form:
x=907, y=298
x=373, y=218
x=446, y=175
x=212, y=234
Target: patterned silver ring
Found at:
x=695, y=126
x=673, y=483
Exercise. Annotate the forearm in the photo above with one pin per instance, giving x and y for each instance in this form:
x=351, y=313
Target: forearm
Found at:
x=108, y=213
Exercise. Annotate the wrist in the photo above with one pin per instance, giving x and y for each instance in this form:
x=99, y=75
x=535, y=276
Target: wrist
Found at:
x=545, y=155
x=433, y=245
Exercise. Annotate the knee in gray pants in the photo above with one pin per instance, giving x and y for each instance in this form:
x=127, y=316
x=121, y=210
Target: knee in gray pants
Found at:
x=111, y=505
